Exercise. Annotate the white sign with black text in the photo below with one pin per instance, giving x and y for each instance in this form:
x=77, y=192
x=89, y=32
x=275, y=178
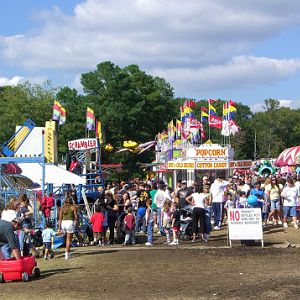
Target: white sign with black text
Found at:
x=245, y=224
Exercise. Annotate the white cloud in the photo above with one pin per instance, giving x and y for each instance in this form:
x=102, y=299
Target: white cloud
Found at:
x=193, y=42
x=241, y=71
x=293, y=104
x=290, y=103
x=11, y=81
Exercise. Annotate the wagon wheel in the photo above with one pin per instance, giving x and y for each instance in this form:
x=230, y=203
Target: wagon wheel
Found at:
x=2, y=278
x=25, y=276
x=37, y=273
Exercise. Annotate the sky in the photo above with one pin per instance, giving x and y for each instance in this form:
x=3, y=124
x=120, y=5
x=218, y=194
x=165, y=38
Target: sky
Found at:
x=246, y=50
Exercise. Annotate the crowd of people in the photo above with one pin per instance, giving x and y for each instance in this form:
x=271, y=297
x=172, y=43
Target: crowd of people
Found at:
x=126, y=210
x=155, y=207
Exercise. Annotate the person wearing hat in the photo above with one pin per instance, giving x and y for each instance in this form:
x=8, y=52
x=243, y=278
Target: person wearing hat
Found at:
x=8, y=240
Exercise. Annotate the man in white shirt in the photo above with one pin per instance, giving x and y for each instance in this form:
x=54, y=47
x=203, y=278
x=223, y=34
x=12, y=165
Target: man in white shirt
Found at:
x=217, y=193
x=159, y=199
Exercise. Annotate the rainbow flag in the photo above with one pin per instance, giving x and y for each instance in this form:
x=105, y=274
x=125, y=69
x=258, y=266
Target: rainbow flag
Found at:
x=62, y=119
x=56, y=111
x=90, y=119
x=98, y=131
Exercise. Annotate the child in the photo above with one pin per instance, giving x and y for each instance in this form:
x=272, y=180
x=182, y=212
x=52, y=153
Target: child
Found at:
x=129, y=222
x=47, y=234
x=230, y=203
x=242, y=202
x=166, y=218
x=97, y=220
x=175, y=223
x=149, y=222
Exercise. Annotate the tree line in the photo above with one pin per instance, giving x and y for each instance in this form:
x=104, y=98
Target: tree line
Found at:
x=133, y=105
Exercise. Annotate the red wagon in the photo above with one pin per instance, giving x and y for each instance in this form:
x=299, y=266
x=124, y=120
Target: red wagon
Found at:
x=12, y=269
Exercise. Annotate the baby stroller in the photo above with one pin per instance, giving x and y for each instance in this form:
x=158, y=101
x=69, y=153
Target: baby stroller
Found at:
x=120, y=228
x=186, y=224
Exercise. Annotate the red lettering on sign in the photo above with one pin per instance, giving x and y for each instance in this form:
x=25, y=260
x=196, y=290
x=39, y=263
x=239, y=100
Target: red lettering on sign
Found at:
x=234, y=216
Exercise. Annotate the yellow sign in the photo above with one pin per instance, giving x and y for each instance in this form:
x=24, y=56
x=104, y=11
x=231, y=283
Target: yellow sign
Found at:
x=50, y=142
x=208, y=151
x=211, y=152
x=181, y=165
x=198, y=165
x=211, y=165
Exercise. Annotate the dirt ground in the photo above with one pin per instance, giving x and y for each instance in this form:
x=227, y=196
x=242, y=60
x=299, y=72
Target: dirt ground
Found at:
x=189, y=271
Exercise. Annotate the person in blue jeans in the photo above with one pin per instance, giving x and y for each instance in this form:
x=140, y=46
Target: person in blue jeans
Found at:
x=149, y=222
x=140, y=225
x=8, y=240
x=217, y=193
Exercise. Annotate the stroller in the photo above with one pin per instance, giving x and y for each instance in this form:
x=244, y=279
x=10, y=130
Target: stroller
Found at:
x=186, y=224
x=120, y=228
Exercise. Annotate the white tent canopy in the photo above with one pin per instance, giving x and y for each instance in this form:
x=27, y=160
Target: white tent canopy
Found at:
x=53, y=174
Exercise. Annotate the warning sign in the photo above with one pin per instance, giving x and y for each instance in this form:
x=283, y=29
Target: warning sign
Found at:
x=245, y=224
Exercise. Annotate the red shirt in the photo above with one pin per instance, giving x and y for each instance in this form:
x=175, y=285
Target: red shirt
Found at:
x=97, y=220
x=130, y=221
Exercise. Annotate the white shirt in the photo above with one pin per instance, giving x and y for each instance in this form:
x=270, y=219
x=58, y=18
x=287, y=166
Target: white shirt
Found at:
x=160, y=198
x=245, y=188
x=217, y=190
x=199, y=199
x=8, y=215
x=290, y=195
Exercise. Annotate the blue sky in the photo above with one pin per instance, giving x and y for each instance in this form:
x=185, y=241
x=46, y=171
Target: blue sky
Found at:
x=244, y=50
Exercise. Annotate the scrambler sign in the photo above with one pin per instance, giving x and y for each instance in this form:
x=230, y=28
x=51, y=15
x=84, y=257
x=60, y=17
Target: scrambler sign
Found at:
x=82, y=144
x=245, y=224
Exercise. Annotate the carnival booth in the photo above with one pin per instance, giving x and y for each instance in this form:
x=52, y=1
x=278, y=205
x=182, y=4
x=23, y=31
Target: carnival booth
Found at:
x=288, y=160
x=197, y=161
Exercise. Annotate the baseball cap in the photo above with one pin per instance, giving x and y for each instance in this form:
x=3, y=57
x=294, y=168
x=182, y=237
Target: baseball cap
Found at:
x=18, y=220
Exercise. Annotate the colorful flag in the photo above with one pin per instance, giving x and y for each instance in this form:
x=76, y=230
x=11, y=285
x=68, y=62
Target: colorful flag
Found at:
x=211, y=101
x=195, y=124
x=56, y=110
x=63, y=114
x=215, y=122
x=90, y=119
x=231, y=103
x=234, y=128
x=228, y=111
x=99, y=131
x=178, y=128
x=171, y=131
x=212, y=110
x=192, y=103
x=204, y=114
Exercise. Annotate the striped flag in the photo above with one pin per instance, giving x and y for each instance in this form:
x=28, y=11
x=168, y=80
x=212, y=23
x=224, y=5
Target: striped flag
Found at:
x=62, y=119
x=90, y=119
x=98, y=131
x=56, y=111
x=204, y=114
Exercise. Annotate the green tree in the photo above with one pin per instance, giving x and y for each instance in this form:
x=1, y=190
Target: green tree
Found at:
x=131, y=105
x=21, y=102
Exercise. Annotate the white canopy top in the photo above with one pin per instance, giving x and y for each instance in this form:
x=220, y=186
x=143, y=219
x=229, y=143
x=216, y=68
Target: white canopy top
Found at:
x=53, y=174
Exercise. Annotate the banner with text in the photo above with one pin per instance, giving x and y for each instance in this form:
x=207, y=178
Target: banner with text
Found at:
x=82, y=144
